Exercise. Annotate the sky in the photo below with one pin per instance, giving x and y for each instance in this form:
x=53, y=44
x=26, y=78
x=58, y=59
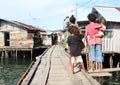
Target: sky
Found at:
x=49, y=14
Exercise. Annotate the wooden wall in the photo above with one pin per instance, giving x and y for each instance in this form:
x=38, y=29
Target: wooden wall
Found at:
x=18, y=36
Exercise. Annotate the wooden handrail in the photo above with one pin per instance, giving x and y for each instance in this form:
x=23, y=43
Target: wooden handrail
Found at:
x=24, y=75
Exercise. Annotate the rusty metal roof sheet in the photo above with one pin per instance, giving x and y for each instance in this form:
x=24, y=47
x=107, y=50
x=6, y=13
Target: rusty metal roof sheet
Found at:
x=29, y=27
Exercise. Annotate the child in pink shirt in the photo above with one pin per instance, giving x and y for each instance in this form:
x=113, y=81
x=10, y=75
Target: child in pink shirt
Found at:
x=95, y=49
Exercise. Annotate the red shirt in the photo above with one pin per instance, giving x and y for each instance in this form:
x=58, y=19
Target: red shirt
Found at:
x=91, y=31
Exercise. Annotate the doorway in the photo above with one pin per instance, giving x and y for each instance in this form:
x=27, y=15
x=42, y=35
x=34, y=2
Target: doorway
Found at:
x=6, y=38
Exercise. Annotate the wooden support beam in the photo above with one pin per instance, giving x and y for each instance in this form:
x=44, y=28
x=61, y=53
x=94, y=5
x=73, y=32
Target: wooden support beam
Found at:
x=31, y=54
x=100, y=74
x=6, y=53
x=106, y=70
x=16, y=54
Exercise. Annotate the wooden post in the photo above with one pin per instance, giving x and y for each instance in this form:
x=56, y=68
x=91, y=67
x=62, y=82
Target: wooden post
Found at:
x=11, y=53
x=6, y=53
x=87, y=57
x=16, y=54
x=31, y=54
x=2, y=53
x=118, y=65
x=111, y=61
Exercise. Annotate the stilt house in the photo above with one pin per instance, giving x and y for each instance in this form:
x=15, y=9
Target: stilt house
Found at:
x=17, y=34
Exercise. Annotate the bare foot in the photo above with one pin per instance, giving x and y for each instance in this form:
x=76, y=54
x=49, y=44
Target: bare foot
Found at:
x=84, y=71
x=90, y=70
x=97, y=70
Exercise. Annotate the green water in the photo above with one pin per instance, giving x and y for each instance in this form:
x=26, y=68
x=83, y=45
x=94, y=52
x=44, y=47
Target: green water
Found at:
x=11, y=70
x=112, y=80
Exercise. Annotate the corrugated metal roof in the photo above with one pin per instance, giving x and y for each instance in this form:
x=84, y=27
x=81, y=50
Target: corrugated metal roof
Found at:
x=29, y=27
x=109, y=13
x=118, y=9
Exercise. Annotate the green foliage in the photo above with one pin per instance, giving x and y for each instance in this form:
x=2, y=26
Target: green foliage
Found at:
x=109, y=34
x=64, y=42
x=37, y=41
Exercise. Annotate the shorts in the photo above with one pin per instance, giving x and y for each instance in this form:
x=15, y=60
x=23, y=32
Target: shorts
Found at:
x=76, y=59
x=96, y=53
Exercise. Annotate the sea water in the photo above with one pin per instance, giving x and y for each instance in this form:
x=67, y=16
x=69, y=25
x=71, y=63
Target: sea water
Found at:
x=110, y=80
x=11, y=69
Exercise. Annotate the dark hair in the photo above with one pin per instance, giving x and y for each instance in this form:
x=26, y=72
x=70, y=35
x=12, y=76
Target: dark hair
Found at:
x=70, y=29
x=92, y=17
x=72, y=19
x=73, y=30
x=99, y=20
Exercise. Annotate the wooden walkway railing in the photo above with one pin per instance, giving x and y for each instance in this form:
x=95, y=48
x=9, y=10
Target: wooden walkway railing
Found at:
x=52, y=68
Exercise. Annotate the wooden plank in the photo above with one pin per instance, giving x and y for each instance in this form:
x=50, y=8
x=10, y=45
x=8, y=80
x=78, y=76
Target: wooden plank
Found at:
x=106, y=70
x=67, y=82
x=90, y=79
x=65, y=61
x=56, y=62
x=47, y=68
x=24, y=75
x=59, y=73
x=100, y=74
x=57, y=66
x=80, y=78
x=32, y=72
x=59, y=78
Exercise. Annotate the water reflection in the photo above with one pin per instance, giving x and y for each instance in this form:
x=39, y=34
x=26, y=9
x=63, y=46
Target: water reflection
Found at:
x=11, y=70
x=111, y=80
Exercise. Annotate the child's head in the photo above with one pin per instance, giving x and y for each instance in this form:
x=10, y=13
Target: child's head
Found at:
x=101, y=21
x=92, y=17
x=72, y=19
x=73, y=30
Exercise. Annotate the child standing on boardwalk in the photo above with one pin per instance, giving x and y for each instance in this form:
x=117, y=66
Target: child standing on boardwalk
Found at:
x=74, y=47
x=95, y=48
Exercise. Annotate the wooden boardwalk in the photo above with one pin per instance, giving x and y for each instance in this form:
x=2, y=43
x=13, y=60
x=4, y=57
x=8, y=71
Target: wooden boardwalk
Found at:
x=52, y=68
